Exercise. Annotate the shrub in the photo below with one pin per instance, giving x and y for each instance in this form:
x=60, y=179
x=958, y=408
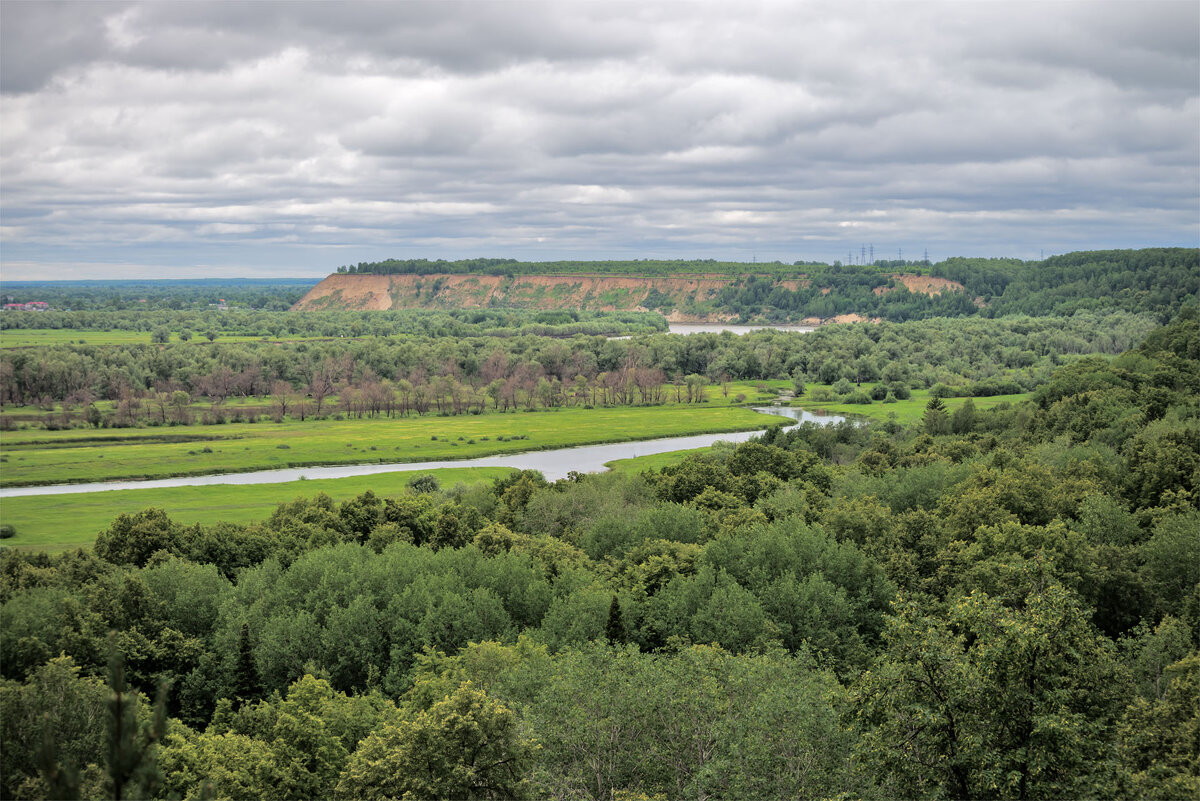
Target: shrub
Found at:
x=940, y=390
x=7, y=531
x=426, y=482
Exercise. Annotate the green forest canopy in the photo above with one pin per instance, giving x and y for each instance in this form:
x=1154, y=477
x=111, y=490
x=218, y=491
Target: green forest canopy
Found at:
x=992, y=604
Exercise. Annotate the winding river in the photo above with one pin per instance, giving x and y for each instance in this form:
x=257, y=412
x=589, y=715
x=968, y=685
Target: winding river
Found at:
x=554, y=464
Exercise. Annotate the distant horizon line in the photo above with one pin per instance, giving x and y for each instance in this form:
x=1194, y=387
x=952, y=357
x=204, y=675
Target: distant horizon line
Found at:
x=317, y=275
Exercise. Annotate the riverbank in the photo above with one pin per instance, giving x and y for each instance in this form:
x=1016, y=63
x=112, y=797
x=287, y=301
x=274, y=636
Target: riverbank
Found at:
x=71, y=516
x=38, y=458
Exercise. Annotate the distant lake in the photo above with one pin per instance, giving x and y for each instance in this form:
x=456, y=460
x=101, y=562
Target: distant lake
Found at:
x=716, y=328
x=554, y=464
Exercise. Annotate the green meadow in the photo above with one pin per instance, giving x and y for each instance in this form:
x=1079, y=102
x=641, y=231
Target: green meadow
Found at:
x=32, y=457
x=907, y=411
x=59, y=522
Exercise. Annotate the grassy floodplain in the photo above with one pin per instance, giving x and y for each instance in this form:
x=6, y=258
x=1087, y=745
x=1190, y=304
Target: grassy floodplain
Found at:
x=56, y=523
x=907, y=411
x=33, y=457
x=59, y=522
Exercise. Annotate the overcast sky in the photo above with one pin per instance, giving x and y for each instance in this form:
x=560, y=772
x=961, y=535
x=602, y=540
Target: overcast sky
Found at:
x=258, y=138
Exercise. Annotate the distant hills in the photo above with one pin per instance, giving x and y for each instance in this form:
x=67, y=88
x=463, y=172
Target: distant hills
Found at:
x=1154, y=280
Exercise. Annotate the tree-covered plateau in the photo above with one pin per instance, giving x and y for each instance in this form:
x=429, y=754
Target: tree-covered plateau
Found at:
x=1154, y=280
x=997, y=603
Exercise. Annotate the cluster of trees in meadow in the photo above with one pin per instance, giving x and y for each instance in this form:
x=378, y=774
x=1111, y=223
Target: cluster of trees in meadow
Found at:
x=1000, y=603
x=448, y=375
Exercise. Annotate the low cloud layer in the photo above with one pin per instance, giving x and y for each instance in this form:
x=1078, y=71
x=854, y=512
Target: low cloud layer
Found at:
x=172, y=139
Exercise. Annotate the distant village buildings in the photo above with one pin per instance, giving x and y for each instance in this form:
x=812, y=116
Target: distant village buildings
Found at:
x=33, y=305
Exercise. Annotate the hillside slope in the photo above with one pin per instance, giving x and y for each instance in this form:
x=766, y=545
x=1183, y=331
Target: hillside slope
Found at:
x=680, y=297
x=592, y=292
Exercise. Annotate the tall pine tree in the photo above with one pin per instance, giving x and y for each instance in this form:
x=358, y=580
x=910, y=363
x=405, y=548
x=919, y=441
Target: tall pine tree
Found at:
x=247, y=684
x=614, y=629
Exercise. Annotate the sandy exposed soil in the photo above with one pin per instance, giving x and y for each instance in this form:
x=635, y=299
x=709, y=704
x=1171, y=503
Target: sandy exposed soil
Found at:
x=925, y=284
x=842, y=319
x=600, y=293
x=594, y=292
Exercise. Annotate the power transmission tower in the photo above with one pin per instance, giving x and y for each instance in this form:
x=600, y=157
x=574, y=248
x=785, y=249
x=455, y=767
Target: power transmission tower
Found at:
x=872, y=255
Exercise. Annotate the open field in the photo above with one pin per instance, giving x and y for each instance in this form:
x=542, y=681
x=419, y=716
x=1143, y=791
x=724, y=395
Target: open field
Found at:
x=906, y=411
x=59, y=522
x=653, y=461
x=49, y=457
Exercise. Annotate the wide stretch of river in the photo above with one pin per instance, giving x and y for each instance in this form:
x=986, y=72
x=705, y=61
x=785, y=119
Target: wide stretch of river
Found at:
x=554, y=464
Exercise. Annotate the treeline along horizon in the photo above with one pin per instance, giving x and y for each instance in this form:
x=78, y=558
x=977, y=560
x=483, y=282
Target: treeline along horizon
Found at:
x=1152, y=279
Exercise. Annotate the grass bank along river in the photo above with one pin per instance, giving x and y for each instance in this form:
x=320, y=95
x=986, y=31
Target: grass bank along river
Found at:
x=553, y=463
x=78, y=455
x=64, y=516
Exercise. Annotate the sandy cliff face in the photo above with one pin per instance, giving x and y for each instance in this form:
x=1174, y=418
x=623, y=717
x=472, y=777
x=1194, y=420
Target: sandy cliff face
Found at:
x=594, y=292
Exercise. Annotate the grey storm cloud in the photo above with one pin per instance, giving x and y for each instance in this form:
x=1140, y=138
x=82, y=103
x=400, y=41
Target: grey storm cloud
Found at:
x=267, y=137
